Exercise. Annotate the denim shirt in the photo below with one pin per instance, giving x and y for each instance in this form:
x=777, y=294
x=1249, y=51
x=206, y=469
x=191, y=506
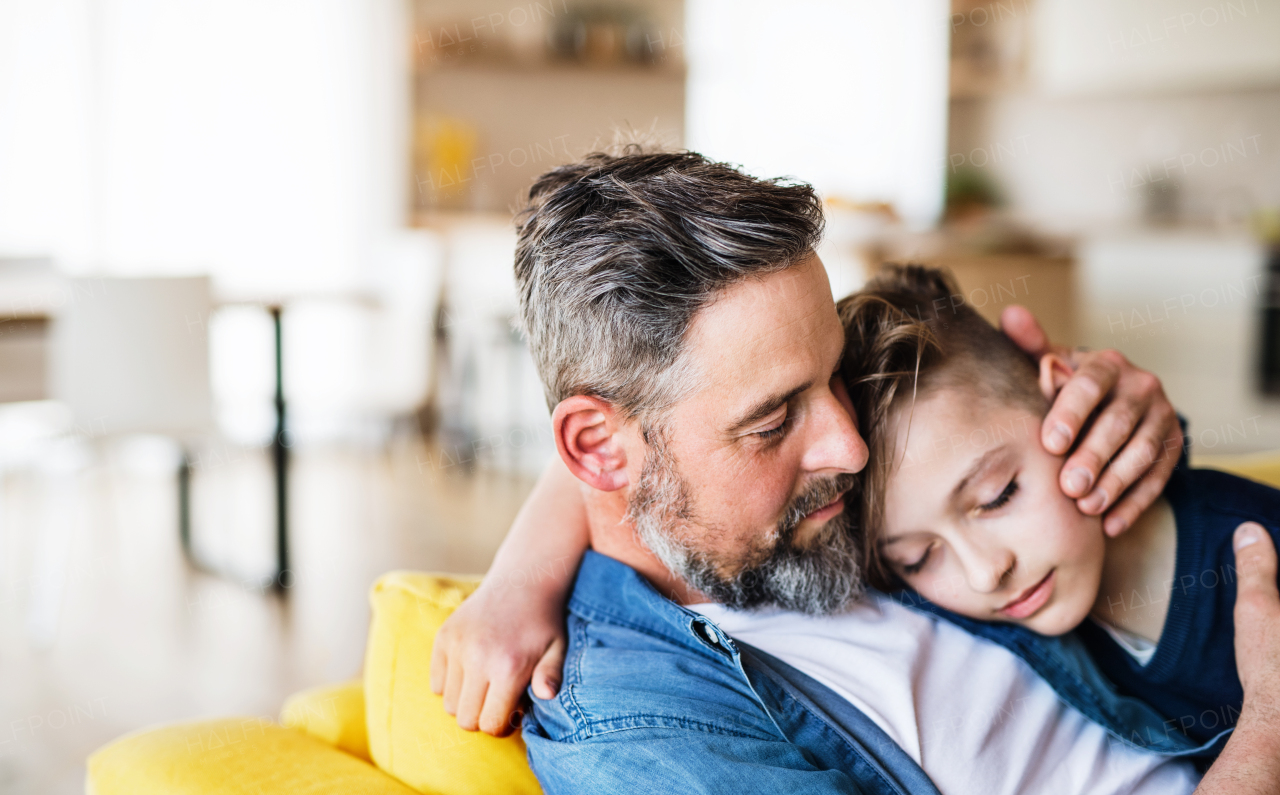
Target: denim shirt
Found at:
x=656, y=698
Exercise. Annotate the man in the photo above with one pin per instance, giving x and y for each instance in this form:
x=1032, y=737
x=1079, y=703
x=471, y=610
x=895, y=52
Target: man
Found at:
x=688, y=340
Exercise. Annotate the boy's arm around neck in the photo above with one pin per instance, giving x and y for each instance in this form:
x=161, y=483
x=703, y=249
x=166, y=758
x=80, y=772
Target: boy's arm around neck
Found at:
x=511, y=630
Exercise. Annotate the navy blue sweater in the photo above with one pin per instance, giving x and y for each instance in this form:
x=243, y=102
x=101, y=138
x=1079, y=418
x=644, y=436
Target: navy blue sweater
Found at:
x=1191, y=679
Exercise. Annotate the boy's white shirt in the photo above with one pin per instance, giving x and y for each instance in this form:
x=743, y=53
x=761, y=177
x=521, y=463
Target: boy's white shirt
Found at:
x=1137, y=647
x=974, y=716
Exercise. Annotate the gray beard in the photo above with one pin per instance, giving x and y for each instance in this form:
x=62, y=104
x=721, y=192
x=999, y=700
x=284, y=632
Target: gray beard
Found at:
x=821, y=578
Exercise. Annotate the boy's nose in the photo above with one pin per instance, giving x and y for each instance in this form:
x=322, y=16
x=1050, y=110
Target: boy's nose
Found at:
x=987, y=568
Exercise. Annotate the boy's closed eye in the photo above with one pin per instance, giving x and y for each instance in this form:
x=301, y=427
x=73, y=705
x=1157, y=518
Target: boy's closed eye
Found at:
x=921, y=559
x=1002, y=499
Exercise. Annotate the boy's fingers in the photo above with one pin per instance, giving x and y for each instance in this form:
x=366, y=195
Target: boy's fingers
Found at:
x=501, y=712
x=1071, y=409
x=546, y=676
x=453, y=684
x=470, y=702
x=439, y=664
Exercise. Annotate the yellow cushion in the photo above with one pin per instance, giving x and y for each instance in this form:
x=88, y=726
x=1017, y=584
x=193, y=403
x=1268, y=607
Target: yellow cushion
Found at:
x=236, y=756
x=410, y=735
x=1262, y=467
x=333, y=714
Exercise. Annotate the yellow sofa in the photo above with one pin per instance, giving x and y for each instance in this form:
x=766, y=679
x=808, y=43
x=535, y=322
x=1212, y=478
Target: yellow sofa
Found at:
x=388, y=734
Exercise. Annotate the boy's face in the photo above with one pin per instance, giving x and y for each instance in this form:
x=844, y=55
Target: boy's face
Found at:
x=974, y=519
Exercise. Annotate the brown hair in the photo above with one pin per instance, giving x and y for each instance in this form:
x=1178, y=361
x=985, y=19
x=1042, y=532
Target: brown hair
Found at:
x=909, y=333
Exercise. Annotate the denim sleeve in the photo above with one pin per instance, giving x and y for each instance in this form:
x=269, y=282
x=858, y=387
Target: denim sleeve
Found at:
x=679, y=760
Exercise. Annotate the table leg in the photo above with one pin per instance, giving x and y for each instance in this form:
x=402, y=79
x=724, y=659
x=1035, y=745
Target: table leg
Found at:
x=280, y=460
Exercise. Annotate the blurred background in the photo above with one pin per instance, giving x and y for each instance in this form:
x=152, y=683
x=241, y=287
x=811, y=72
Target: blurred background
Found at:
x=256, y=302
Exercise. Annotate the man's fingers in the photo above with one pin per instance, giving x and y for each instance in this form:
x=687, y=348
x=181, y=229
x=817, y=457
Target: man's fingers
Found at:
x=1255, y=563
x=1140, y=454
x=1138, y=498
x=546, y=676
x=1161, y=438
x=1019, y=325
x=1077, y=400
x=1257, y=615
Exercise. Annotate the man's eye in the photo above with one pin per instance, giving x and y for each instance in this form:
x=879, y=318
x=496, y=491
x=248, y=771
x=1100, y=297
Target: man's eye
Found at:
x=1003, y=499
x=777, y=431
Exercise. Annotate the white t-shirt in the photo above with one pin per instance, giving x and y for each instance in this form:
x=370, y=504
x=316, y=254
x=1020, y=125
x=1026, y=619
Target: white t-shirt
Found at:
x=973, y=715
x=1137, y=647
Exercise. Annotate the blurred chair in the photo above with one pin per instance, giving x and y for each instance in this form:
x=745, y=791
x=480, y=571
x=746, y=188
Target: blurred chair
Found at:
x=29, y=291
x=356, y=362
x=493, y=410
x=132, y=356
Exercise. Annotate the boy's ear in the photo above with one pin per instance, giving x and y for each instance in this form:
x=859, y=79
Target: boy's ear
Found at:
x=1054, y=374
x=588, y=435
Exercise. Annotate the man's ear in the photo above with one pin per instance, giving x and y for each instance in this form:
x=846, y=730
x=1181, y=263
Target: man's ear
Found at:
x=588, y=435
x=1054, y=374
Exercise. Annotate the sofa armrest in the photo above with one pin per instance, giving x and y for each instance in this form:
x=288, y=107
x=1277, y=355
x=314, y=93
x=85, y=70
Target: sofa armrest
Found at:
x=333, y=714
x=1263, y=467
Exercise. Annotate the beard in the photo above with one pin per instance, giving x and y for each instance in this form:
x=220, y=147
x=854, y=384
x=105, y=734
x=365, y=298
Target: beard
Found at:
x=822, y=577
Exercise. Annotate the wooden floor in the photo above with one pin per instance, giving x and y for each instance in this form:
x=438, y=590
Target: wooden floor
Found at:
x=105, y=629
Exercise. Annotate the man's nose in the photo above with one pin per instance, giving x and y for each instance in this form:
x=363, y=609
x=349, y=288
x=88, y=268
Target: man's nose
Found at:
x=985, y=566
x=836, y=444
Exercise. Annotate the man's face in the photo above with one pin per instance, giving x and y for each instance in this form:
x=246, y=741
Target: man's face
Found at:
x=741, y=493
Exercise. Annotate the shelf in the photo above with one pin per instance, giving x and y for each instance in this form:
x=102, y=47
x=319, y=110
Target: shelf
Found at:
x=508, y=69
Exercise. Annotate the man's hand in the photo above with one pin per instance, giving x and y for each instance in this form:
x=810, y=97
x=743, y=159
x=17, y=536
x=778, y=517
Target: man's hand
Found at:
x=1257, y=619
x=1132, y=442
x=1250, y=763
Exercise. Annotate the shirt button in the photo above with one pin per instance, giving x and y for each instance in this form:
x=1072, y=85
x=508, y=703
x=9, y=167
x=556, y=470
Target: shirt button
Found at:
x=708, y=634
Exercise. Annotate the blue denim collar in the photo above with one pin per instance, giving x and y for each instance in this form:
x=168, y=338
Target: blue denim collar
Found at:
x=809, y=713
x=613, y=592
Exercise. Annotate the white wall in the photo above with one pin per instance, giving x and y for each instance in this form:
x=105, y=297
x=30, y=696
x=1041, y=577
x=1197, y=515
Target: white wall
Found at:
x=1123, y=97
x=1186, y=306
x=261, y=141
x=850, y=95
x=1072, y=163
x=1114, y=46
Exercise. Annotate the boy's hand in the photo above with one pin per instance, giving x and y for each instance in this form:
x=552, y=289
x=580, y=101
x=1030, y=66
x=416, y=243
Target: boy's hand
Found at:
x=1133, y=440
x=487, y=652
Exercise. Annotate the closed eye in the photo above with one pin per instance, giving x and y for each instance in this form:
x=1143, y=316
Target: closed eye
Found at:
x=918, y=566
x=777, y=431
x=1003, y=499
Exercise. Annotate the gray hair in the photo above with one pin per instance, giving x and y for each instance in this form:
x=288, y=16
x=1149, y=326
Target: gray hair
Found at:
x=617, y=253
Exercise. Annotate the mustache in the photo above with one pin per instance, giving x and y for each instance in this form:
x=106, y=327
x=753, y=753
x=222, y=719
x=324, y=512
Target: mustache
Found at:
x=818, y=493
